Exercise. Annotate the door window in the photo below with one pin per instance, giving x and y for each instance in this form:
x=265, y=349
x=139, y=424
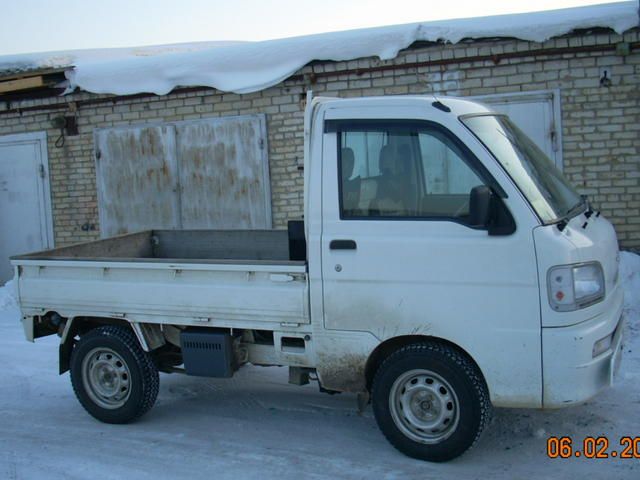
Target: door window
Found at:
x=404, y=172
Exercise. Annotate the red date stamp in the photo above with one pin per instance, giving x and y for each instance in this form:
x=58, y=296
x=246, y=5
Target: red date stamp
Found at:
x=593, y=447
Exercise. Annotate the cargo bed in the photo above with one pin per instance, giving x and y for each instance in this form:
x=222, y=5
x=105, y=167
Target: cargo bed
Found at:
x=227, y=278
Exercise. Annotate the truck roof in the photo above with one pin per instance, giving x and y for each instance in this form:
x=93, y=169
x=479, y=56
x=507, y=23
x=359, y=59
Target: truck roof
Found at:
x=458, y=106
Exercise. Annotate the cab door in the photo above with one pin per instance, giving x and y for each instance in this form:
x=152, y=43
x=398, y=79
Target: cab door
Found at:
x=399, y=256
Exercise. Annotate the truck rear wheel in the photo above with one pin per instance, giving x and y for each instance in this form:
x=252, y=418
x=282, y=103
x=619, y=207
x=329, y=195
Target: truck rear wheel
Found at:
x=430, y=401
x=114, y=379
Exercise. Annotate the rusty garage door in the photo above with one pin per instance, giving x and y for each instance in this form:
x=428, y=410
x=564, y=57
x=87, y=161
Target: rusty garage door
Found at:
x=137, y=179
x=210, y=174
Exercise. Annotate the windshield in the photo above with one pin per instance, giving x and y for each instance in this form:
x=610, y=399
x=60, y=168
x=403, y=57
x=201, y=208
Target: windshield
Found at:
x=545, y=187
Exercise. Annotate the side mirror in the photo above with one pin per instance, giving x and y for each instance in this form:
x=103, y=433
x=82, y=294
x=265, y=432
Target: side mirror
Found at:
x=480, y=206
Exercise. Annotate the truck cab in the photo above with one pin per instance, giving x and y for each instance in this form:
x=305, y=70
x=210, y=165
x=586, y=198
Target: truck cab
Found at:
x=444, y=267
x=446, y=221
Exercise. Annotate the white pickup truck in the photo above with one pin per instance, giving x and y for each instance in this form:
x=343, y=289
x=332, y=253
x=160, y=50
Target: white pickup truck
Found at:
x=444, y=267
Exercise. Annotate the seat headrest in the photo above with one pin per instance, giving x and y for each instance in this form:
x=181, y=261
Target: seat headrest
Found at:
x=387, y=159
x=348, y=161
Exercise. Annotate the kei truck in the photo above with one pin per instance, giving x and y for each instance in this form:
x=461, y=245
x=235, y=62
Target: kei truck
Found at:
x=444, y=267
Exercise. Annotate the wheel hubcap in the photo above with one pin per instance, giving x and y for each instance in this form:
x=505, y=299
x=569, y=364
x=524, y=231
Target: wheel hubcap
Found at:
x=106, y=378
x=424, y=406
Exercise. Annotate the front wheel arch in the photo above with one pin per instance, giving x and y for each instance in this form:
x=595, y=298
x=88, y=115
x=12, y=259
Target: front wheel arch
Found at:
x=389, y=346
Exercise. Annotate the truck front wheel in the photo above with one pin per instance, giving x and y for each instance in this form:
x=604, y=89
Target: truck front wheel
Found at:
x=430, y=401
x=114, y=379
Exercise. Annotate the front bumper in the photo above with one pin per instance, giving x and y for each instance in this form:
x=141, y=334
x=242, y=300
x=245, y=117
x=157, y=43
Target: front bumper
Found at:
x=571, y=374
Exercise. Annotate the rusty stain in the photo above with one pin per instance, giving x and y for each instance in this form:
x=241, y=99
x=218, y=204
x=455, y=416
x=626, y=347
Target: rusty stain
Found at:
x=231, y=152
x=218, y=154
x=197, y=155
x=232, y=176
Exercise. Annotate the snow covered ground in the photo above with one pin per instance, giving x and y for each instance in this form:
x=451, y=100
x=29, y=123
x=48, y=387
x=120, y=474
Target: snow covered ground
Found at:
x=255, y=425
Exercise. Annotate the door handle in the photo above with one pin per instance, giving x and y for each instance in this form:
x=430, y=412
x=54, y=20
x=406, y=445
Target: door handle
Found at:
x=343, y=245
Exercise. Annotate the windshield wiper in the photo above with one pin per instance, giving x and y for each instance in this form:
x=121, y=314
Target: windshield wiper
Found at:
x=589, y=211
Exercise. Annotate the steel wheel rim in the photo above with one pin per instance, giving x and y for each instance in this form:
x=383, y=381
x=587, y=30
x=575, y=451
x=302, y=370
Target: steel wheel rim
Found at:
x=424, y=406
x=106, y=378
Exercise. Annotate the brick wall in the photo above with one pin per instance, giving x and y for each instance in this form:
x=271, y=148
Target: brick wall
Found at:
x=600, y=125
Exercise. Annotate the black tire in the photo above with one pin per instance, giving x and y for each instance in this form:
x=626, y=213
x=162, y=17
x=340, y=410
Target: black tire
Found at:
x=458, y=412
x=114, y=379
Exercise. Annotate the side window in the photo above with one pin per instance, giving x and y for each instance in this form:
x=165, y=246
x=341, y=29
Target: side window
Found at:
x=403, y=173
x=448, y=177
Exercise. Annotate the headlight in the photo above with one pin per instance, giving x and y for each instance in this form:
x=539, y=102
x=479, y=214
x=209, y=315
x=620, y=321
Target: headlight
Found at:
x=572, y=287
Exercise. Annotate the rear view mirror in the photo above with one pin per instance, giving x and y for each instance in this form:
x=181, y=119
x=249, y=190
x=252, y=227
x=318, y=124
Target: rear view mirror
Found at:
x=480, y=206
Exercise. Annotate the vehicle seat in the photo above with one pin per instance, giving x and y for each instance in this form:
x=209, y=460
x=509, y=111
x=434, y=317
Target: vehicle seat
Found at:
x=390, y=196
x=350, y=186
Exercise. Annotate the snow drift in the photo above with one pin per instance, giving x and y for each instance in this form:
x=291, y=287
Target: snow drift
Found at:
x=8, y=297
x=252, y=66
x=630, y=278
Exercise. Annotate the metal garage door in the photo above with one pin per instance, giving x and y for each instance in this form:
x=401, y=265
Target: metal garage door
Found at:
x=137, y=179
x=224, y=173
x=25, y=203
x=210, y=174
x=536, y=113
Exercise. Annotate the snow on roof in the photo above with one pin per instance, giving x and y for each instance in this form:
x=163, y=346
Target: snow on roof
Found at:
x=64, y=59
x=252, y=66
